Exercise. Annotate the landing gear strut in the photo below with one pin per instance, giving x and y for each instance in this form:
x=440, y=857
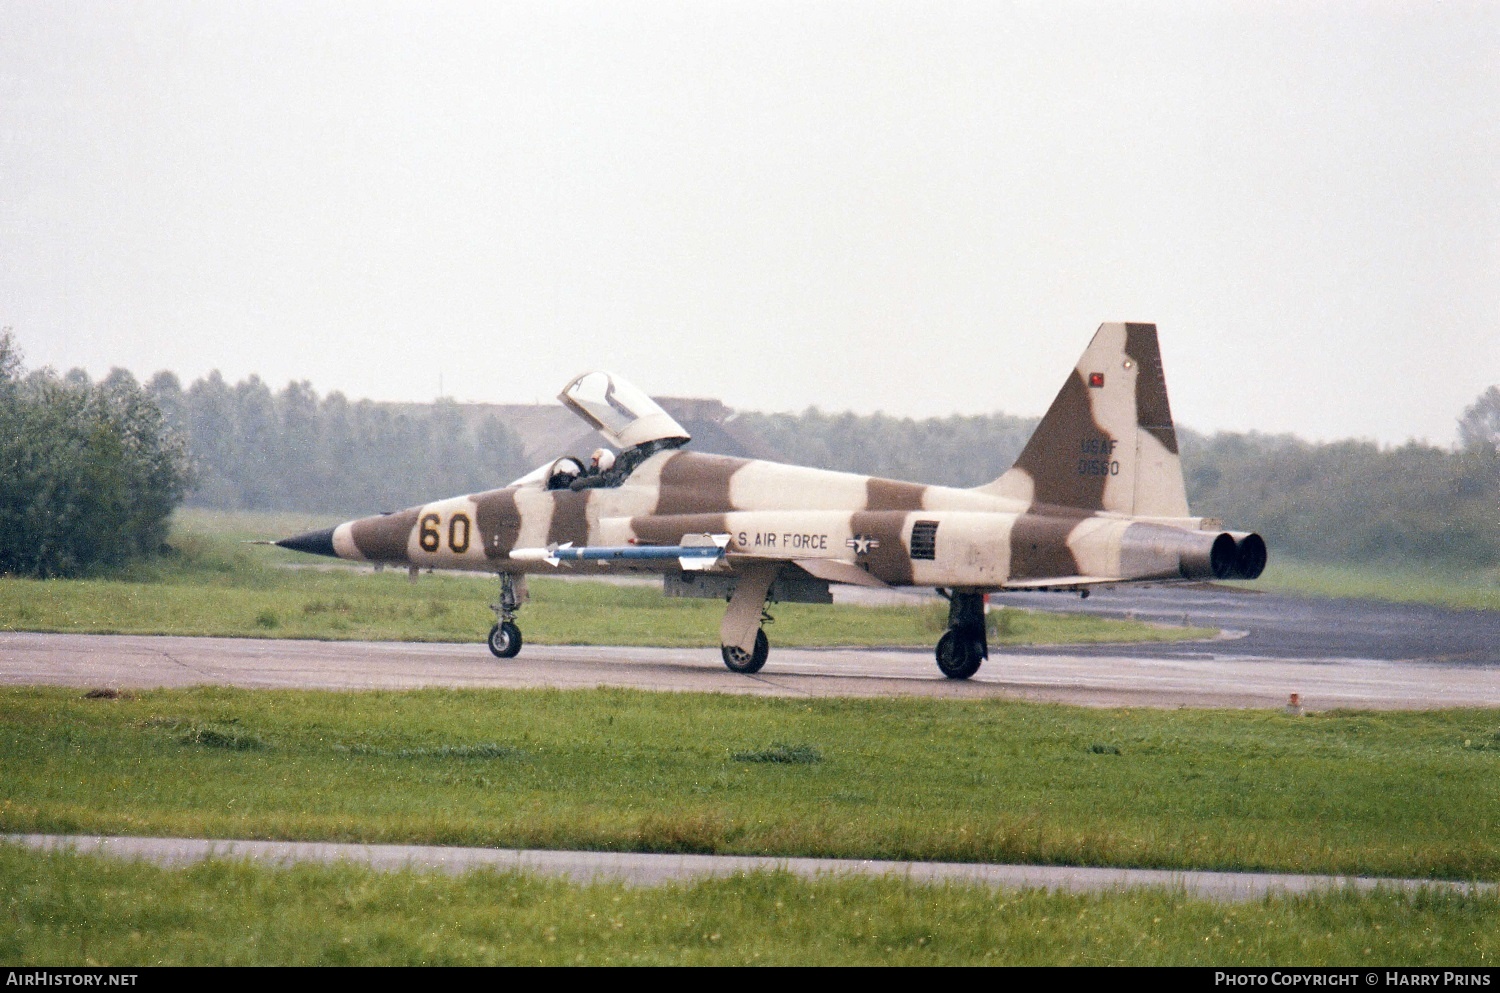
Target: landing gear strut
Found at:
x=505, y=637
x=963, y=648
x=742, y=641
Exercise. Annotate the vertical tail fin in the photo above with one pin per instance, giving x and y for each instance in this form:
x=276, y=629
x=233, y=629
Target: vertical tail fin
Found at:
x=1107, y=442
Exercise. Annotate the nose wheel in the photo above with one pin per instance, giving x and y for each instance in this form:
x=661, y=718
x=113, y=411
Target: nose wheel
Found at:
x=505, y=638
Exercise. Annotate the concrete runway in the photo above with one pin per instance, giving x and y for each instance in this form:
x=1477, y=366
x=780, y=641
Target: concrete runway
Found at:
x=638, y=869
x=1332, y=653
x=1205, y=674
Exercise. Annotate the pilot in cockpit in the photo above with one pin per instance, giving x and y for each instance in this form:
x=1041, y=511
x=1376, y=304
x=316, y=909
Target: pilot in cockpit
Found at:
x=563, y=473
x=628, y=419
x=598, y=473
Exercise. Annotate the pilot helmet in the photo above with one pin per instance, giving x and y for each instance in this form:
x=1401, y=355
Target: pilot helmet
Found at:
x=604, y=459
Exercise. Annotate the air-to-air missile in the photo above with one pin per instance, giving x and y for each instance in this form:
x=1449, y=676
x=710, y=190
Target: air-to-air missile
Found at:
x=1096, y=499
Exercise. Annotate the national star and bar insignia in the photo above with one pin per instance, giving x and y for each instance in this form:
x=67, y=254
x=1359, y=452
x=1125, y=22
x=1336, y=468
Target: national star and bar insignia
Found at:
x=863, y=543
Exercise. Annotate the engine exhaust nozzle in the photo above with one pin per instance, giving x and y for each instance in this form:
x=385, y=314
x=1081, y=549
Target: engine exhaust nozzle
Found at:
x=1249, y=555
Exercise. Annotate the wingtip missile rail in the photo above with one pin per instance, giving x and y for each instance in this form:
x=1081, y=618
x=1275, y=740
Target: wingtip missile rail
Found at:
x=696, y=553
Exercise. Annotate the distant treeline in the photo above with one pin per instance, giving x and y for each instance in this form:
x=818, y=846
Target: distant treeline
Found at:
x=89, y=473
x=949, y=451
x=253, y=449
x=1350, y=501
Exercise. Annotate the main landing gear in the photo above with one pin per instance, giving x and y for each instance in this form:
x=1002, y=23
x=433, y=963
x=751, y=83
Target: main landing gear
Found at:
x=742, y=640
x=505, y=637
x=964, y=647
x=745, y=662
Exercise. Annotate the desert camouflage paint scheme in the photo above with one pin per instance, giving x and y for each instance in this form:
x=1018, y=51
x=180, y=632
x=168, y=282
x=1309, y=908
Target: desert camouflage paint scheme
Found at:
x=1095, y=498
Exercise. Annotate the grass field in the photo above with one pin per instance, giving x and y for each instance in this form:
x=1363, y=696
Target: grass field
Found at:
x=1460, y=589
x=78, y=910
x=1397, y=794
x=215, y=585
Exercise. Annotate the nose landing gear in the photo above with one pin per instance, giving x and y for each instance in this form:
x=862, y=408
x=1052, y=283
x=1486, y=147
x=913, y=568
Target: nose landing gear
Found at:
x=505, y=638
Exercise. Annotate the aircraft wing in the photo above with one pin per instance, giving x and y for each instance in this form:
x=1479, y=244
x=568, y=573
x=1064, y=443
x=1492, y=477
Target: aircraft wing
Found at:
x=696, y=553
x=1060, y=581
x=839, y=571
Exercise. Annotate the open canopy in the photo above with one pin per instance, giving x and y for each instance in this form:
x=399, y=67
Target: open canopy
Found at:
x=616, y=409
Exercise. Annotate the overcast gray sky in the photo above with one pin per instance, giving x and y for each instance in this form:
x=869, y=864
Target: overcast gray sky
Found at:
x=921, y=208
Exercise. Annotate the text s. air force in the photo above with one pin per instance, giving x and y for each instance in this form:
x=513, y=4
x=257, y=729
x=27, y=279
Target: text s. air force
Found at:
x=1095, y=499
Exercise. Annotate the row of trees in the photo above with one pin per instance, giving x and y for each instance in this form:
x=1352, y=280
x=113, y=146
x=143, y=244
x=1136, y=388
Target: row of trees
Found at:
x=950, y=451
x=89, y=473
x=292, y=450
x=1339, y=501
x=1352, y=501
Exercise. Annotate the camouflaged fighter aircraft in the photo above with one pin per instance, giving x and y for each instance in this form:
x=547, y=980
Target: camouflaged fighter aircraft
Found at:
x=1095, y=499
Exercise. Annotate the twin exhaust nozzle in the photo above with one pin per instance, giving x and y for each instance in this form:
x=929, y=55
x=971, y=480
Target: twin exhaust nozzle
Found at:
x=1238, y=555
x=1230, y=555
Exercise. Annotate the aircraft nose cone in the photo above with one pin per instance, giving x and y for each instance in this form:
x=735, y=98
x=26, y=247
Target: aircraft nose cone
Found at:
x=315, y=542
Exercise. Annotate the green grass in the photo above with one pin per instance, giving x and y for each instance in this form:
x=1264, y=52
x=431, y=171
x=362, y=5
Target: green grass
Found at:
x=66, y=909
x=1476, y=589
x=213, y=584
x=1392, y=794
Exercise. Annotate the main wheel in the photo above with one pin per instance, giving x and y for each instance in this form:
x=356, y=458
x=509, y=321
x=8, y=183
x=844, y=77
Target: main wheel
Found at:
x=505, y=640
x=959, y=656
x=740, y=660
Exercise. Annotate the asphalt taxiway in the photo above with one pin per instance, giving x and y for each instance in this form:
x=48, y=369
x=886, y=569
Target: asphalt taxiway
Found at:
x=1278, y=625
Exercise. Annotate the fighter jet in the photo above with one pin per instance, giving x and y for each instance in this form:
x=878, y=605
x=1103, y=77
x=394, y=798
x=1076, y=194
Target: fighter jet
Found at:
x=1096, y=499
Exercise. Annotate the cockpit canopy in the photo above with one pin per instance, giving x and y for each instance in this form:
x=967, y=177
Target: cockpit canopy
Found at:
x=628, y=418
x=623, y=414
